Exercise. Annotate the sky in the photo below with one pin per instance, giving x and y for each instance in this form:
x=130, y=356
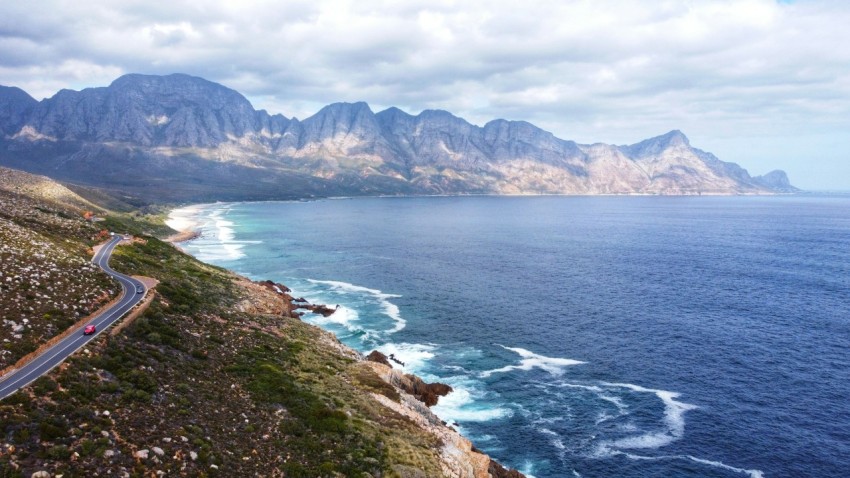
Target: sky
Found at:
x=762, y=83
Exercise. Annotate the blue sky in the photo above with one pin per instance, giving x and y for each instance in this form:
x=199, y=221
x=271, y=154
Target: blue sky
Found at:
x=763, y=83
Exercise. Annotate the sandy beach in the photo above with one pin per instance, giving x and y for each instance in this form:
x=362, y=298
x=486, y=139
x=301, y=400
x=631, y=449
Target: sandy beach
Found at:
x=182, y=220
x=183, y=236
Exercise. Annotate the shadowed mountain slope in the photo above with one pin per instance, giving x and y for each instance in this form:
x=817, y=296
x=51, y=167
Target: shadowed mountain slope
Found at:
x=183, y=138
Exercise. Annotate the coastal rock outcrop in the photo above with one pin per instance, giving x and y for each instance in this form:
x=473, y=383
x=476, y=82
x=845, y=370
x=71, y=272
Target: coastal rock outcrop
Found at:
x=378, y=357
x=280, y=302
x=413, y=396
x=427, y=393
x=776, y=180
x=458, y=457
x=496, y=470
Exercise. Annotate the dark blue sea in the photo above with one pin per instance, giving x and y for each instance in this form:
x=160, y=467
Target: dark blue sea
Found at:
x=587, y=337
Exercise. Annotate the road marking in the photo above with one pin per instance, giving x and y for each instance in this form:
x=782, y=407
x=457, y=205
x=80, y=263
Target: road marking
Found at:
x=32, y=370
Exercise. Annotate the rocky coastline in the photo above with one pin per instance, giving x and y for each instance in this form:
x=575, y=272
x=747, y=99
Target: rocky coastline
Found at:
x=409, y=395
x=218, y=376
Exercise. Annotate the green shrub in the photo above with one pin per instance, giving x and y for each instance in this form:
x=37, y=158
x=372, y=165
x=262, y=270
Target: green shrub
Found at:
x=59, y=452
x=51, y=431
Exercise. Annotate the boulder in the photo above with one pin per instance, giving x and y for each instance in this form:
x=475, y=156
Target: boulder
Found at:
x=378, y=357
x=498, y=471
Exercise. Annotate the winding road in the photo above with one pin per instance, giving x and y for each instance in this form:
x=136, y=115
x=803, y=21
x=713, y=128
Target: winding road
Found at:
x=17, y=379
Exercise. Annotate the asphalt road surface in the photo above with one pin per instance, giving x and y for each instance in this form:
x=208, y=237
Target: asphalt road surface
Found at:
x=14, y=381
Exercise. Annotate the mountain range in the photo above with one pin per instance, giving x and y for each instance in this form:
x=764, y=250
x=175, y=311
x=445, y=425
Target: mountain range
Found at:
x=183, y=138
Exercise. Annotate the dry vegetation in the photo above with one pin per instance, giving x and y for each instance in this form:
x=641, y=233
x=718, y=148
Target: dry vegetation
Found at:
x=196, y=387
x=200, y=385
x=46, y=279
x=218, y=377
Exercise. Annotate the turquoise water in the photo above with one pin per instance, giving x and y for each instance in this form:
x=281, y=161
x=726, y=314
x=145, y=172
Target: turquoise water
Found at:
x=592, y=337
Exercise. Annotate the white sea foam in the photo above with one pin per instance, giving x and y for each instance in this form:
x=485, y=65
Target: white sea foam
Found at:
x=462, y=405
x=217, y=241
x=603, y=417
x=674, y=420
x=343, y=316
x=185, y=218
x=389, y=309
x=673, y=429
x=527, y=468
x=617, y=401
x=414, y=356
x=716, y=464
x=531, y=360
x=467, y=402
x=556, y=441
x=592, y=388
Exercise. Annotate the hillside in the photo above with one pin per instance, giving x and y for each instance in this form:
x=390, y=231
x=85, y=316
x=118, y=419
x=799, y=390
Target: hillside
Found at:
x=46, y=281
x=182, y=138
x=218, y=377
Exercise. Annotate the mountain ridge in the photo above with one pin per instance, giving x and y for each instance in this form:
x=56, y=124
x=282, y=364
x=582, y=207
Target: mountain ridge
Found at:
x=209, y=142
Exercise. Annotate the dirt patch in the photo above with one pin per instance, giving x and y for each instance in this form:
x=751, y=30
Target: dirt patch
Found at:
x=149, y=282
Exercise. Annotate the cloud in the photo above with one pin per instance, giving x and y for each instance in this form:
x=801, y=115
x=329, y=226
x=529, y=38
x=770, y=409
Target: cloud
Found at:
x=605, y=70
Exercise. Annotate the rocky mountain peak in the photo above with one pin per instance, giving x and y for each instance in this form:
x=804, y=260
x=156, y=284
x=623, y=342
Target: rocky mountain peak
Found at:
x=655, y=146
x=341, y=120
x=180, y=126
x=15, y=104
x=174, y=110
x=15, y=95
x=177, y=90
x=394, y=115
x=776, y=180
x=350, y=112
x=439, y=117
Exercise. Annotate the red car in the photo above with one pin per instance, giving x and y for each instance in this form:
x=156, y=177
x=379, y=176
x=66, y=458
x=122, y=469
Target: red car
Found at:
x=90, y=329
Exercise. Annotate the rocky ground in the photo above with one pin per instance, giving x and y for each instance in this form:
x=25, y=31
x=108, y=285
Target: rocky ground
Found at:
x=46, y=279
x=220, y=377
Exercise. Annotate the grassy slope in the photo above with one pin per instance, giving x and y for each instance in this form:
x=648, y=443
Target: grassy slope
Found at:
x=217, y=391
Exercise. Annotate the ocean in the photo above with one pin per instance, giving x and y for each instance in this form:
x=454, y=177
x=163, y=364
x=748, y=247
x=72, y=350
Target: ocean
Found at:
x=586, y=336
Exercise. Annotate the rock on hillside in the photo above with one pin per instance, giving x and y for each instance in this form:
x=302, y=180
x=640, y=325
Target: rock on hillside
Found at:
x=186, y=138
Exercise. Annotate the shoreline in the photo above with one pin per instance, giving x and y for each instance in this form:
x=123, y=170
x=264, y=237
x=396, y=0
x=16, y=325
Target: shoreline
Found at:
x=526, y=466
x=180, y=220
x=183, y=236
x=458, y=455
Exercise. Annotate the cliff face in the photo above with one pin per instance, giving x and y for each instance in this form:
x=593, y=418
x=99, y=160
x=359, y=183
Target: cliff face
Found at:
x=776, y=180
x=175, y=111
x=206, y=139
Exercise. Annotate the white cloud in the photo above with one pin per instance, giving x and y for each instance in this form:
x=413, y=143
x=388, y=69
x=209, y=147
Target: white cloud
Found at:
x=605, y=70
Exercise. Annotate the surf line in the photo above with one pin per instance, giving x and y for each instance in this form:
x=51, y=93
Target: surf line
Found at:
x=717, y=464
